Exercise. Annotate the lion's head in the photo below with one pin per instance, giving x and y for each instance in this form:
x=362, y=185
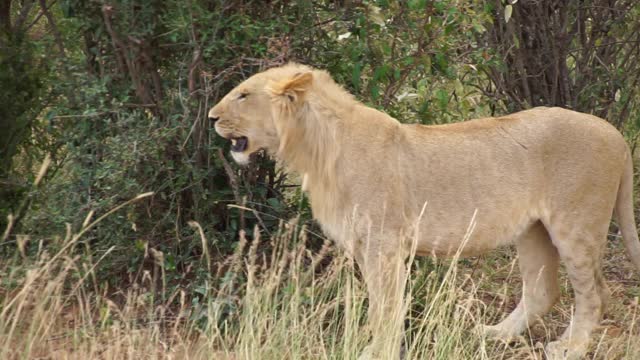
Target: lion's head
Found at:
x=251, y=115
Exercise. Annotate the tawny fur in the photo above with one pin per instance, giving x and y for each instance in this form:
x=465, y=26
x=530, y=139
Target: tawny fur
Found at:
x=545, y=179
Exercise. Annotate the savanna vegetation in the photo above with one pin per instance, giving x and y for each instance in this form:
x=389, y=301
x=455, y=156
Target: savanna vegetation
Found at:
x=125, y=231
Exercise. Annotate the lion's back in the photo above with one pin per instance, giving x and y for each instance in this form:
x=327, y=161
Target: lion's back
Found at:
x=524, y=165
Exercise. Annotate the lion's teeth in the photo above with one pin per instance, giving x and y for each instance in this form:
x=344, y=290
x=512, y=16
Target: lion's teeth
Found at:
x=233, y=142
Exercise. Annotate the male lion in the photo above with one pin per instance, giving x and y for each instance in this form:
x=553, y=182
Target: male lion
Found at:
x=545, y=179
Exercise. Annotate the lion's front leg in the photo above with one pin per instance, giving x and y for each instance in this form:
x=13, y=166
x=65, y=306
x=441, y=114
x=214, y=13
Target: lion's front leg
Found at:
x=385, y=275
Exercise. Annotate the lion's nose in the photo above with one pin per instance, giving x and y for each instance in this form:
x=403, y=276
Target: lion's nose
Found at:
x=213, y=119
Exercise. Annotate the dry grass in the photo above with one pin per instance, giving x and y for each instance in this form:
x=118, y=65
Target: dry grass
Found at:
x=287, y=305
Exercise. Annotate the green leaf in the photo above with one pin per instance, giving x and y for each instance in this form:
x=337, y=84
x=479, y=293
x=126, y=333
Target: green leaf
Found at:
x=417, y=4
x=507, y=13
x=140, y=244
x=443, y=98
x=380, y=73
x=355, y=76
x=442, y=64
x=375, y=92
x=274, y=203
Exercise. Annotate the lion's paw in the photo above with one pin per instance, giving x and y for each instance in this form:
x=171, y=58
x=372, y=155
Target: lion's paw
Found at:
x=566, y=350
x=368, y=354
x=498, y=332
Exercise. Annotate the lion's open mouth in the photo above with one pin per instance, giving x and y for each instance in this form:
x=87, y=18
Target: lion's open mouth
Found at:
x=239, y=144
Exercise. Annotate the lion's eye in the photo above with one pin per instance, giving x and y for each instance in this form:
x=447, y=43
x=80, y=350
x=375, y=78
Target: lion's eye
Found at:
x=243, y=96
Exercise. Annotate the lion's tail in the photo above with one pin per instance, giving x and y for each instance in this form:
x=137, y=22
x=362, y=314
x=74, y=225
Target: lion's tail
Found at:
x=625, y=215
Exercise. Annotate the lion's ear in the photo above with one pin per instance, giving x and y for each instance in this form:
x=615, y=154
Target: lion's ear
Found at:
x=293, y=88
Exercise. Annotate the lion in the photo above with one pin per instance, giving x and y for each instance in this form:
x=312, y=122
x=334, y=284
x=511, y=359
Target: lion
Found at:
x=546, y=180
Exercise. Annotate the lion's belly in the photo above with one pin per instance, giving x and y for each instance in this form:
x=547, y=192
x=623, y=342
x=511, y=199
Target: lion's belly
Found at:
x=473, y=215
x=439, y=228
x=473, y=233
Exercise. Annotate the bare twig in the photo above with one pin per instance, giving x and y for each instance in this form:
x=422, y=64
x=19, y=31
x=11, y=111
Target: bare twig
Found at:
x=23, y=14
x=233, y=181
x=39, y=16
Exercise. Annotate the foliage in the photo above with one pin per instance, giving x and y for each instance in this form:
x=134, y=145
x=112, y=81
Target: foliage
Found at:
x=149, y=72
x=413, y=59
x=19, y=103
x=577, y=54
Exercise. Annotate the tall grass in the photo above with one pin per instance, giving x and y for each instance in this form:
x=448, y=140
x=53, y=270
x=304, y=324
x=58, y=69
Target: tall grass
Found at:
x=289, y=303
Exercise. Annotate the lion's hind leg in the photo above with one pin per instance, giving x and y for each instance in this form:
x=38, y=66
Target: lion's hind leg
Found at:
x=581, y=252
x=538, y=261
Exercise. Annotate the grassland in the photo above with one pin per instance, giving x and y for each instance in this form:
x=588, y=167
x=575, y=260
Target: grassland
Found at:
x=287, y=303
